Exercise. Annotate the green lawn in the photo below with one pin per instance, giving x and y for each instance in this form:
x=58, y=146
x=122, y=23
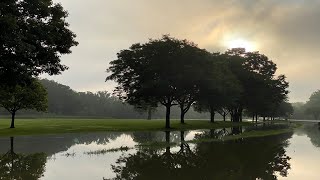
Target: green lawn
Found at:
x=54, y=126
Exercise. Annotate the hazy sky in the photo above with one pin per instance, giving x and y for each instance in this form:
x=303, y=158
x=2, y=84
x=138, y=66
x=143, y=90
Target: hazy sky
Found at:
x=287, y=31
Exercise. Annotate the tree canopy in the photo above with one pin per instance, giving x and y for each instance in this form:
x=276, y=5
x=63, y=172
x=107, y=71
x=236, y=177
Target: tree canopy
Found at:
x=161, y=70
x=33, y=36
x=31, y=96
x=170, y=72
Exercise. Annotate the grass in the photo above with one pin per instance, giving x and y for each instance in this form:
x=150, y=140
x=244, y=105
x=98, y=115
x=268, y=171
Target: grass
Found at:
x=55, y=125
x=250, y=134
x=104, y=151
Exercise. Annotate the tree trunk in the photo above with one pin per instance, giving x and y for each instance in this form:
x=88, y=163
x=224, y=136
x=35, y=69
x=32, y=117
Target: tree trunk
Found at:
x=182, y=141
x=253, y=118
x=212, y=115
x=182, y=116
x=168, y=116
x=212, y=133
x=256, y=118
x=149, y=113
x=168, y=142
x=236, y=117
x=11, y=145
x=182, y=136
x=13, y=114
x=224, y=116
x=264, y=118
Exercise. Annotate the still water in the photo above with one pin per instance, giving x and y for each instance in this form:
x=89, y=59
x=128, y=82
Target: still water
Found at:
x=163, y=155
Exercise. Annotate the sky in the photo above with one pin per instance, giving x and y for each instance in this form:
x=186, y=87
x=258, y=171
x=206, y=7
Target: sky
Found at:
x=287, y=31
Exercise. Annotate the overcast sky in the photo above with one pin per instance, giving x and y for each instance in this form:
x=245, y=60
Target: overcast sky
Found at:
x=287, y=31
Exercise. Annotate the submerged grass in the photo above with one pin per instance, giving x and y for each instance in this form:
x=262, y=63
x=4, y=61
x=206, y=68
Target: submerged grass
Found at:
x=104, y=151
x=55, y=125
x=250, y=134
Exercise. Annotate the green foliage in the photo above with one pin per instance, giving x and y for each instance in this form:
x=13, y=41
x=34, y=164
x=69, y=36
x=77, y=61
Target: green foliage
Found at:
x=29, y=96
x=32, y=96
x=33, y=36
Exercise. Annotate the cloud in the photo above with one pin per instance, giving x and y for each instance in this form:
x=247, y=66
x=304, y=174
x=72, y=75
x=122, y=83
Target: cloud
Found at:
x=287, y=31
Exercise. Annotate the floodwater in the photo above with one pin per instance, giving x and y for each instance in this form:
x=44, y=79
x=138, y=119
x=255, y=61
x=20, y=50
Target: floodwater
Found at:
x=199, y=154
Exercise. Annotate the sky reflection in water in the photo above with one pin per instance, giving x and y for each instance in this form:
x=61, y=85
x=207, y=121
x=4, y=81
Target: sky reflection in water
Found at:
x=287, y=156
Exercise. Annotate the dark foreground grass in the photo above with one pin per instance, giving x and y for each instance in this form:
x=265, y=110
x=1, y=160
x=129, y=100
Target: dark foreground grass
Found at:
x=55, y=126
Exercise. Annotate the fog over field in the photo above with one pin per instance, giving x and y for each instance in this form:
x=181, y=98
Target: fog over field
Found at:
x=287, y=31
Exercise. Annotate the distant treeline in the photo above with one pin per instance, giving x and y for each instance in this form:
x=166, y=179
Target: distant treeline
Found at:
x=63, y=102
x=308, y=110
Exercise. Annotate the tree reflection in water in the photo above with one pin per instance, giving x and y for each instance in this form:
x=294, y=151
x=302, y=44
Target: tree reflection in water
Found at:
x=21, y=166
x=253, y=158
x=313, y=132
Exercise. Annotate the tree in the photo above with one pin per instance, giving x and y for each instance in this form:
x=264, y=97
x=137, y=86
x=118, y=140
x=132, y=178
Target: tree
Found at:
x=148, y=107
x=219, y=87
x=313, y=105
x=153, y=71
x=33, y=36
x=190, y=75
x=262, y=92
x=284, y=110
x=32, y=96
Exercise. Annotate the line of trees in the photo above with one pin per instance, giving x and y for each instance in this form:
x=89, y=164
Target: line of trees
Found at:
x=174, y=72
x=62, y=101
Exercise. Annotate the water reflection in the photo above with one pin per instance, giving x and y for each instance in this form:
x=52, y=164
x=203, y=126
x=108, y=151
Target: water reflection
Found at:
x=273, y=157
x=313, y=132
x=21, y=166
x=249, y=159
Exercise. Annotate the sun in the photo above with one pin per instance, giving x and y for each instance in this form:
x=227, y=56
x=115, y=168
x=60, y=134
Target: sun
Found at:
x=240, y=43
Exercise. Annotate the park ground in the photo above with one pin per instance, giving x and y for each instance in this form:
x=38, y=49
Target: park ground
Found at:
x=60, y=125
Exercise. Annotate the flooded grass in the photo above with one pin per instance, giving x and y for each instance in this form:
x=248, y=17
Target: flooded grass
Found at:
x=104, y=151
x=55, y=126
x=264, y=151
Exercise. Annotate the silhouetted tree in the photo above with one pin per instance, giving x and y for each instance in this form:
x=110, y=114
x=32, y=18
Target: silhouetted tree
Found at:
x=34, y=34
x=154, y=71
x=14, y=98
x=218, y=86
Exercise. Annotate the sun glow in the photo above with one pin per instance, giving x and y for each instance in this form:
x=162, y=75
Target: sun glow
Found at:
x=240, y=43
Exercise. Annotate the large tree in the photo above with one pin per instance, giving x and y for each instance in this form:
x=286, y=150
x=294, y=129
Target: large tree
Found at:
x=33, y=36
x=262, y=91
x=159, y=70
x=31, y=96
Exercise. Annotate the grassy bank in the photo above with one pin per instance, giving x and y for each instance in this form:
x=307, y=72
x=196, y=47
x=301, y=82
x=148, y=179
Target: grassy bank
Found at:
x=55, y=126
